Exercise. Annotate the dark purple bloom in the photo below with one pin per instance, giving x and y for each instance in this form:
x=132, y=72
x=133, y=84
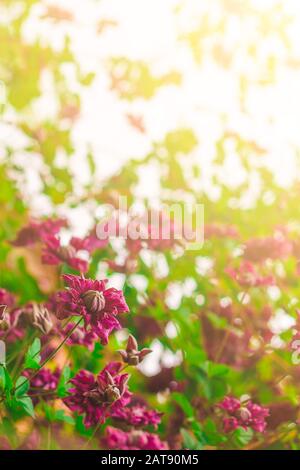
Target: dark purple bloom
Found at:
x=54, y=254
x=89, y=243
x=6, y=298
x=230, y=424
x=230, y=404
x=247, y=276
x=132, y=440
x=35, y=231
x=138, y=416
x=97, y=305
x=43, y=384
x=244, y=415
x=80, y=336
x=274, y=247
x=256, y=420
x=99, y=397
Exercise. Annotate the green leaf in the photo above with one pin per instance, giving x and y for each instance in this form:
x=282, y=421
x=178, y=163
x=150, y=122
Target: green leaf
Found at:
x=81, y=428
x=33, y=358
x=22, y=386
x=212, y=436
x=218, y=370
x=91, y=163
x=2, y=377
x=98, y=351
x=63, y=385
x=198, y=432
x=217, y=321
x=49, y=412
x=214, y=370
x=242, y=436
x=189, y=440
x=212, y=379
x=61, y=416
x=26, y=404
x=5, y=379
x=87, y=80
x=184, y=404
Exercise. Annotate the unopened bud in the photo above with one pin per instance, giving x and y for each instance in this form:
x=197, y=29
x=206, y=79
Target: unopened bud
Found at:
x=132, y=344
x=4, y=318
x=94, y=301
x=244, y=414
x=135, y=437
x=67, y=252
x=132, y=355
x=112, y=394
x=41, y=318
x=132, y=359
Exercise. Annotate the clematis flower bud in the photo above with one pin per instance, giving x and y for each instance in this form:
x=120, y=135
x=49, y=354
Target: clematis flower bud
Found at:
x=108, y=392
x=132, y=355
x=244, y=413
x=99, y=397
x=4, y=318
x=94, y=301
x=67, y=252
x=111, y=393
x=136, y=437
x=41, y=318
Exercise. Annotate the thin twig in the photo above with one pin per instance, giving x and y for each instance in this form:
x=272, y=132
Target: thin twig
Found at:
x=51, y=355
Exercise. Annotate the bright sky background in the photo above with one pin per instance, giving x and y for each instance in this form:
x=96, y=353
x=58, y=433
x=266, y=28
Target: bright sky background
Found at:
x=209, y=99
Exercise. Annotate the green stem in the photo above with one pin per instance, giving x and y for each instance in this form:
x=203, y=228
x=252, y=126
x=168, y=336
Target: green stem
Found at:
x=51, y=355
x=92, y=436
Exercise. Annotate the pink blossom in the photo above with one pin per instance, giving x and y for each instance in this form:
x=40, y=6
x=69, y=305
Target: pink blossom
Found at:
x=54, y=254
x=35, y=231
x=6, y=298
x=80, y=336
x=9, y=318
x=165, y=234
x=133, y=440
x=261, y=249
x=247, y=276
x=220, y=231
x=246, y=415
x=230, y=404
x=44, y=381
x=257, y=418
x=90, y=243
x=230, y=424
x=99, y=397
x=97, y=305
x=138, y=415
